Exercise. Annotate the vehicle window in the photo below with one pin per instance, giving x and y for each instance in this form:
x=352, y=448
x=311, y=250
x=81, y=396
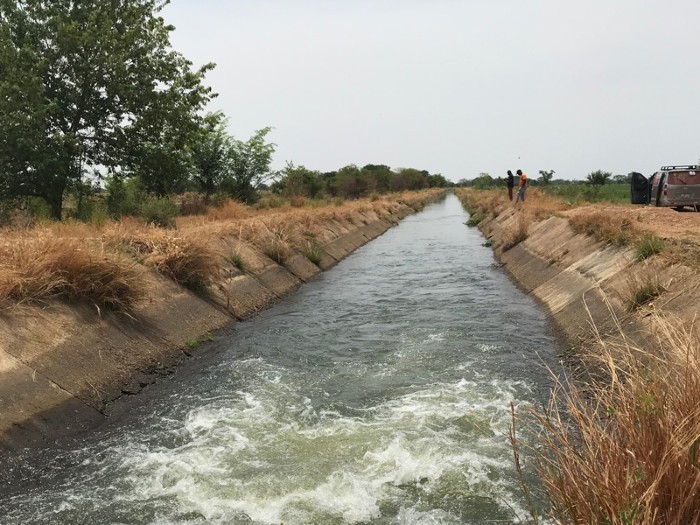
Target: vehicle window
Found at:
x=683, y=177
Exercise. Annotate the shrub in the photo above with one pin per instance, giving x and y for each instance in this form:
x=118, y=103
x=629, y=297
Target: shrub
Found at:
x=123, y=196
x=193, y=204
x=269, y=201
x=160, y=211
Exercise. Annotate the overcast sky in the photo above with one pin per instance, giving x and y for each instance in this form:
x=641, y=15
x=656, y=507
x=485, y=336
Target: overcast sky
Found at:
x=455, y=87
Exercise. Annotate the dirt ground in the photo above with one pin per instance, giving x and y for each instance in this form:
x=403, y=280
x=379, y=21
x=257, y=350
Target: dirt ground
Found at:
x=664, y=222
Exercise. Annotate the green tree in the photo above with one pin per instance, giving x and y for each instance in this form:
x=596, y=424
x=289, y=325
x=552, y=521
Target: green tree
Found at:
x=378, y=177
x=598, y=178
x=250, y=166
x=546, y=177
x=298, y=181
x=483, y=181
x=92, y=85
x=211, y=155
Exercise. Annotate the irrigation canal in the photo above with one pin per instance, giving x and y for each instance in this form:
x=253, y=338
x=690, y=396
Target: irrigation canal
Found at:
x=377, y=394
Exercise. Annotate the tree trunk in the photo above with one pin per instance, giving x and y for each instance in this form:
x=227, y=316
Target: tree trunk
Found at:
x=56, y=205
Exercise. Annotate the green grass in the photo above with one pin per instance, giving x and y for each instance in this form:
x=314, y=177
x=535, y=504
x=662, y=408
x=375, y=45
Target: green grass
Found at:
x=314, y=253
x=649, y=245
x=645, y=293
x=236, y=261
x=581, y=193
x=475, y=218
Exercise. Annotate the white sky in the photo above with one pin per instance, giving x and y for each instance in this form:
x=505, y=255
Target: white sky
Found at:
x=455, y=87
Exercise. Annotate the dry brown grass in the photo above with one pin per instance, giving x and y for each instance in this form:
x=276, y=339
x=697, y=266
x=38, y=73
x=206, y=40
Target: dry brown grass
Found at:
x=39, y=266
x=490, y=203
x=518, y=234
x=189, y=260
x=606, y=226
x=105, y=265
x=624, y=447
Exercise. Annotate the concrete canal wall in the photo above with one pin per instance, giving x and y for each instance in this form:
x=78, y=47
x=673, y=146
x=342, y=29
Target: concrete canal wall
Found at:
x=62, y=366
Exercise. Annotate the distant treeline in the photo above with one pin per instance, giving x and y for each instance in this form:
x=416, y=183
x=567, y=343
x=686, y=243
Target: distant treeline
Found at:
x=351, y=182
x=546, y=178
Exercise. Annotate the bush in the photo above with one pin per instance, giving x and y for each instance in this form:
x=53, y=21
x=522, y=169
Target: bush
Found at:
x=160, y=211
x=123, y=196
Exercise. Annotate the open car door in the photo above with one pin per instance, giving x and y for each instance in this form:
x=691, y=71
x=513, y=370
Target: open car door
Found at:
x=639, y=190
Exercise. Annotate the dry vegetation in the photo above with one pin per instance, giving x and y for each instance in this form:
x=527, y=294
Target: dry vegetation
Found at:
x=106, y=265
x=623, y=447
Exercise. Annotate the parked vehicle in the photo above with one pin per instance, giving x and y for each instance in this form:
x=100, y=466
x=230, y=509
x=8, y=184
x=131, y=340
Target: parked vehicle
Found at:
x=672, y=186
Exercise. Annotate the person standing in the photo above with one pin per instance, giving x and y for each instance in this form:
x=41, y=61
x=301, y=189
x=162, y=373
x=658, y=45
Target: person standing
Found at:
x=522, y=187
x=510, y=182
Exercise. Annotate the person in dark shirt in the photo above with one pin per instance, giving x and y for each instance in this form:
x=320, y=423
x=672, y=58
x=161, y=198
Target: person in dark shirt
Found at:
x=510, y=182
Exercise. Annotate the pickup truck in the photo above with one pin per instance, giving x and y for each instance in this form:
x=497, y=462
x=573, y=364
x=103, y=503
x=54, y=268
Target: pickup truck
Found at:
x=672, y=186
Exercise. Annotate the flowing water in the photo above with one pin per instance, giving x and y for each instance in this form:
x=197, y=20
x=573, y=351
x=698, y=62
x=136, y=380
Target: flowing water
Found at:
x=379, y=393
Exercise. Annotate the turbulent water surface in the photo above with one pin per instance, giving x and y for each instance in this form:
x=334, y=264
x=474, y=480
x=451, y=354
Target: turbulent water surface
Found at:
x=380, y=394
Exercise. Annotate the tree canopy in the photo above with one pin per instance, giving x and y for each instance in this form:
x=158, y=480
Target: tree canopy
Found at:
x=93, y=85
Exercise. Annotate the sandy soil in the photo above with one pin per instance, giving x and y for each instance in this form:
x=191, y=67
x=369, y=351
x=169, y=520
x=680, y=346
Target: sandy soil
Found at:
x=664, y=222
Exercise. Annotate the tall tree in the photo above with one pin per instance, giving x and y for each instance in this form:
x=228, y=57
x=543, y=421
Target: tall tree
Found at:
x=92, y=83
x=211, y=155
x=250, y=165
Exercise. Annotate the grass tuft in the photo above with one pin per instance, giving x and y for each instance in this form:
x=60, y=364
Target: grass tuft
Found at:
x=314, y=253
x=648, y=245
x=41, y=267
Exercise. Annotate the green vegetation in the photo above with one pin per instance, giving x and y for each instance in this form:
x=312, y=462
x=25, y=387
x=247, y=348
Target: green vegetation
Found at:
x=475, y=218
x=645, y=292
x=649, y=245
x=100, y=118
x=599, y=186
x=236, y=260
x=88, y=85
x=314, y=253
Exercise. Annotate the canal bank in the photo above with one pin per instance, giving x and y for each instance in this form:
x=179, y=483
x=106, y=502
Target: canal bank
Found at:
x=62, y=365
x=593, y=290
x=379, y=393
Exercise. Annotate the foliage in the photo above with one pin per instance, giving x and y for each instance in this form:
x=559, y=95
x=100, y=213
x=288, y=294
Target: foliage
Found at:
x=160, y=211
x=598, y=177
x=484, y=181
x=88, y=85
x=298, y=181
x=123, y=196
x=475, y=218
x=211, y=155
x=250, y=166
x=545, y=177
